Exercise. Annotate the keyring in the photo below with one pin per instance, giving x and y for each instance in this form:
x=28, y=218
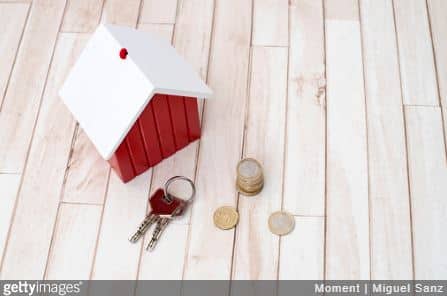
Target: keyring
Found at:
x=168, y=196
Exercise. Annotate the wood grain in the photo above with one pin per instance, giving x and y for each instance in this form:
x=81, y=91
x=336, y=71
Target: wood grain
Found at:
x=223, y=116
x=162, y=30
x=428, y=172
x=347, y=232
x=158, y=12
x=267, y=104
x=391, y=249
x=124, y=210
x=120, y=12
x=74, y=241
x=12, y=21
x=270, y=22
x=438, y=21
x=304, y=176
x=27, y=82
x=38, y=199
x=87, y=173
x=415, y=53
x=82, y=16
x=302, y=251
x=9, y=184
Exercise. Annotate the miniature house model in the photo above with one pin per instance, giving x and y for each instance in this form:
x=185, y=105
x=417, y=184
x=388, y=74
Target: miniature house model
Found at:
x=135, y=98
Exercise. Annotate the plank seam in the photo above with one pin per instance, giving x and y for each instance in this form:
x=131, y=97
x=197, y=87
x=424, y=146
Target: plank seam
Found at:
x=19, y=45
x=61, y=194
x=435, y=62
x=406, y=143
x=325, y=227
x=33, y=130
x=211, y=45
x=101, y=218
x=244, y=134
x=286, y=134
x=362, y=49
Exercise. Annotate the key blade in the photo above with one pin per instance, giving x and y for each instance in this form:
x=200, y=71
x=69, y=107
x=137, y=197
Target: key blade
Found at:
x=144, y=226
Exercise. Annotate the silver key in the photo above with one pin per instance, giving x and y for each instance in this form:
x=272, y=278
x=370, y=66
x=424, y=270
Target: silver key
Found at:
x=159, y=228
x=144, y=226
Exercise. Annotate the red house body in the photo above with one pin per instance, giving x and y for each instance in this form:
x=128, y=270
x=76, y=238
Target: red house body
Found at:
x=135, y=98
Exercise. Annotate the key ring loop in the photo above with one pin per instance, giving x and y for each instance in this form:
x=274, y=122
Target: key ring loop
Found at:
x=176, y=178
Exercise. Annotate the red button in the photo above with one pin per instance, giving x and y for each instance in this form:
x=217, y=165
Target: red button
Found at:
x=123, y=53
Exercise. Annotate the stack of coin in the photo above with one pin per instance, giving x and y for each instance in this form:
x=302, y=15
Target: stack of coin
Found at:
x=250, y=178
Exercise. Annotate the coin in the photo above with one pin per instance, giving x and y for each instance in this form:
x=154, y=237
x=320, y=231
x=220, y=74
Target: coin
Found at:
x=249, y=169
x=281, y=223
x=225, y=217
x=250, y=179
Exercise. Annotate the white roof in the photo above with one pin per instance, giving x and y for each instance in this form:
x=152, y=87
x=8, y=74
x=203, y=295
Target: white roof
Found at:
x=106, y=94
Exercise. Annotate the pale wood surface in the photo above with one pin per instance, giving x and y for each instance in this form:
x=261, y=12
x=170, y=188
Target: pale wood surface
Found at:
x=416, y=53
x=223, y=115
x=267, y=105
x=82, y=16
x=304, y=171
x=347, y=233
x=26, y=84
x=270, y=22
x=428, y=172
x=39, y=195
x=365, y=180
x=74, y=241
x=391, y=253
x=12, y=20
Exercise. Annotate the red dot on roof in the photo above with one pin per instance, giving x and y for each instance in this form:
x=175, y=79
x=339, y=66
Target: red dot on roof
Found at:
x=123, y=53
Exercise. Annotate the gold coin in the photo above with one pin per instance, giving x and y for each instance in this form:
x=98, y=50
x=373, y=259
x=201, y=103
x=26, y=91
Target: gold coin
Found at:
x=225, y=217
x=281, y=223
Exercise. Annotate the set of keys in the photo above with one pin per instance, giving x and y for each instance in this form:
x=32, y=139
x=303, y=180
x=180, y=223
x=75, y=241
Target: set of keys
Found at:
x=164, y=208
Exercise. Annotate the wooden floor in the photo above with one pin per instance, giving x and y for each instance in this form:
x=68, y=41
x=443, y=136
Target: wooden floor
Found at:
x=343, y=101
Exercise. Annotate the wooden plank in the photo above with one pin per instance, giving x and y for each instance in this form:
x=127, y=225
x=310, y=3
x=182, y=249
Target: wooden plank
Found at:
x=82, y=16
x=121, y=12
x=391, y=249
x=158, y=12
x=12, y=21
x=428, y=175
x=347, y=232
x=37, y=202
x=124, y=210
x=415, y=53
x=9, y=183
x=28, y=78
x=192, y=38
x=87, y=173
x=177, y=111
x=256, y=255
x=302, y=251
x=438, y=21
x=74, y=241
x=270, y=22
x=215, y=187
x=161, y=30
x=304, y=176
x=390, y=225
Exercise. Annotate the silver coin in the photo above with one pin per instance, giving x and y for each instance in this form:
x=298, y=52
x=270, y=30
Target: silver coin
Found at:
x=281, y=223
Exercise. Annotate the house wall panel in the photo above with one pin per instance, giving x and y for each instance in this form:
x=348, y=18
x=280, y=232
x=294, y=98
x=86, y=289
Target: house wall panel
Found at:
x=179, y=123
x=136, y=149
x=164, y=124
x=192, y=117
x=150, y=135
